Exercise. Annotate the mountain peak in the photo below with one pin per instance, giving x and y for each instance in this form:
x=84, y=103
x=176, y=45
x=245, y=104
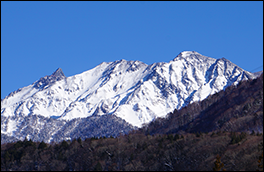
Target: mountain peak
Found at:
x=58, y=73
x=186, y=54
x=131, y=90
x=49, y=80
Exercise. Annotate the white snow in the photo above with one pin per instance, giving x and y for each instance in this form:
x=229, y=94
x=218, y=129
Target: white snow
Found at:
x=186, y=53
x=10, y=127
x=131, y=90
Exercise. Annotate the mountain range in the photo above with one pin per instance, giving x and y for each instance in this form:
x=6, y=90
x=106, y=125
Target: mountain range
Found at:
x=112, y=98
x=223, y=131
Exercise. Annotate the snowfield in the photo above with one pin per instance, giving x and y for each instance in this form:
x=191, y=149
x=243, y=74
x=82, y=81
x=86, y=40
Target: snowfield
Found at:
x=131, y=90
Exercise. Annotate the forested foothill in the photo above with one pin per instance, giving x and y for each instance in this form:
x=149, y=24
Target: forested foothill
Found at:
x=222, y=132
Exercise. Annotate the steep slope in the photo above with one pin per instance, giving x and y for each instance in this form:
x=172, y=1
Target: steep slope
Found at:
x=39, y=128
x=239, y=108
x=131, y=90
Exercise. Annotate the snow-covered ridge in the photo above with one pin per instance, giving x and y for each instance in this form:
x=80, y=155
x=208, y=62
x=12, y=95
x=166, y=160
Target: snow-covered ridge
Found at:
x=131, y=90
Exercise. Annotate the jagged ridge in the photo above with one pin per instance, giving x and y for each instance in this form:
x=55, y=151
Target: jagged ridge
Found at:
x=131, y=90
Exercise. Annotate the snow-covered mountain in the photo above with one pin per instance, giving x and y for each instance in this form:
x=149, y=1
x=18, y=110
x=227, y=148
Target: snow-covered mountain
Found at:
x=131, y=90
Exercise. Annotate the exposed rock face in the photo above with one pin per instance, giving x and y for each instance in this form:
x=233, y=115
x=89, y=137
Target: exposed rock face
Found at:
x=49, y=80
x=131, y=90
x=58, y=74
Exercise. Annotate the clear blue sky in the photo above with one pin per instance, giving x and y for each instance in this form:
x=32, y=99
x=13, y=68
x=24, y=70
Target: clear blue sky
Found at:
x=39, y=37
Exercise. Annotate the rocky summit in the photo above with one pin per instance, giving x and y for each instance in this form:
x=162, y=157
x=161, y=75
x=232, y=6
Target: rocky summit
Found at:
x=132, y=91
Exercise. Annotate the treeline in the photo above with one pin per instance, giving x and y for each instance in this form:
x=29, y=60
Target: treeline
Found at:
x=223, y=131
x=137, y=152
x=237, y=108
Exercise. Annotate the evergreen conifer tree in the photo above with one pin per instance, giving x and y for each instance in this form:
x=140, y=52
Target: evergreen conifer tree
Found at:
x=98, y=167
x=79, y=140
x=42, y=145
